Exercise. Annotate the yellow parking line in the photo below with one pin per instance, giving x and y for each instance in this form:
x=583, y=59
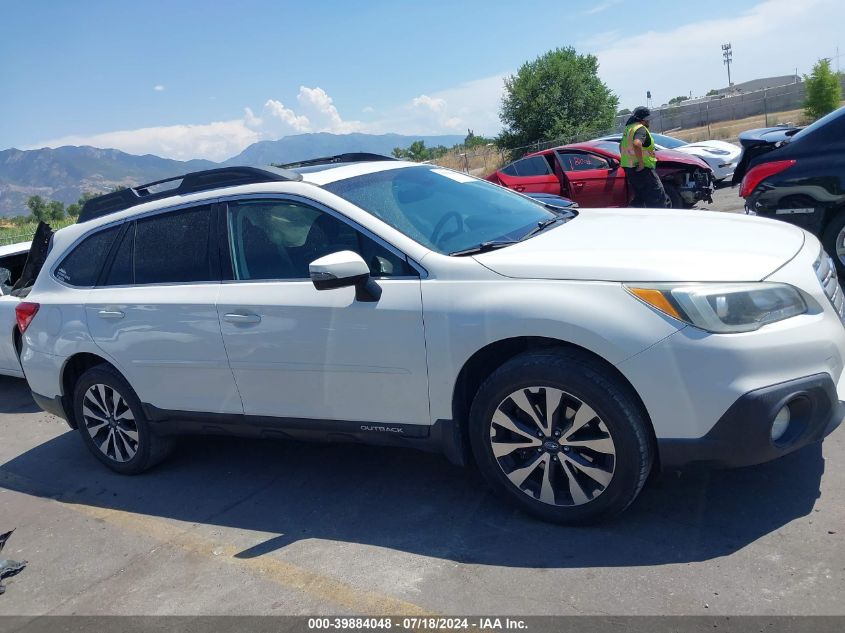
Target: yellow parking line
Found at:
x=280, y=572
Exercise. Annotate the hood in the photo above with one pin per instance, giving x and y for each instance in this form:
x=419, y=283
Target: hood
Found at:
x=651, y=245
x=675, y=156
x=711, y=148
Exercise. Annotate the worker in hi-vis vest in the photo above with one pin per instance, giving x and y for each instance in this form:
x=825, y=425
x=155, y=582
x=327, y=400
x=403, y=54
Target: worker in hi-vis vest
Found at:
x=640, y=162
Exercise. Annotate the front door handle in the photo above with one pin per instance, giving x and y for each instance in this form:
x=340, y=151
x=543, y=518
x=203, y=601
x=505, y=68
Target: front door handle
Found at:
x=235, y=317
x=519, y=188
x=111, y=314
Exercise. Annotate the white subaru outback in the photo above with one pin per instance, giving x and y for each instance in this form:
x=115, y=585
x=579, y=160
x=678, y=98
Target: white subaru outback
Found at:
x=360, y=298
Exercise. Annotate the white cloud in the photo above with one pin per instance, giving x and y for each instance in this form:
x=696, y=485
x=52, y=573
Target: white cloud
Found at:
x=214, y=141
x=473, y=104
x=220, y=140
x=320, y=110
x=602, y=39
x=368, y=109
x=429, y=103
x=277, y=120
x=601, y=6
x=772, y=38
x=158, y=88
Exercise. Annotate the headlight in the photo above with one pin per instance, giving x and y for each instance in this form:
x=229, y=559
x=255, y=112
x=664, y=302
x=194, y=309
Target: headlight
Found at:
x=723, y=308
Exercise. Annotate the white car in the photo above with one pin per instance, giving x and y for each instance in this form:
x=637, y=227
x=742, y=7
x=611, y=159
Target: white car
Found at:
x=722, y=157
x=405, y=304
x=12, y=260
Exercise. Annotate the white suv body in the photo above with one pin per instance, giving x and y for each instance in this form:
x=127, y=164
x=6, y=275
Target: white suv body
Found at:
x=606, y=313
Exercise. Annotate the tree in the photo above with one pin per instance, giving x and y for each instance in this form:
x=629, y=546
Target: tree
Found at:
x=75, y=209
x=712, y=92
x=56, y=210
x=39, y=208
x=417, y=152
x=472, y=140
x=623, y=112
x=824, y=91
x=557, y=95
x=677, y=100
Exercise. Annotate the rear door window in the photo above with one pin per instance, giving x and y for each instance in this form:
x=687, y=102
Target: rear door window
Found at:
x=82, y=266
x=533, y=166
x=174, y=247
x=581, y=161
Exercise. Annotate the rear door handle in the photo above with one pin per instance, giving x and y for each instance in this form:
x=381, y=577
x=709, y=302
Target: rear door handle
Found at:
x=235, y=317
x=111, y=314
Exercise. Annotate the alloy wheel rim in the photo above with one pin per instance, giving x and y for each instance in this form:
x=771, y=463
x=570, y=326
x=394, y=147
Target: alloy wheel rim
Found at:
x=110, y=422
x=840, y=246
x=552, y=446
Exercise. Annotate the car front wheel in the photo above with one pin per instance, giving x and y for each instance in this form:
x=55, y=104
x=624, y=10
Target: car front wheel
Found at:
x=833, y=240
x=561, y=437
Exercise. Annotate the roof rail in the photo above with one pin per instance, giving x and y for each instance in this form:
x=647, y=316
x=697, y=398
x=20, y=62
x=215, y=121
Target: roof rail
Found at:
x=350, y=157
x=189, y=183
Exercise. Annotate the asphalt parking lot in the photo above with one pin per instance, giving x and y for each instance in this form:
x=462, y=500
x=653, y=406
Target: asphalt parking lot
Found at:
x=261, y=527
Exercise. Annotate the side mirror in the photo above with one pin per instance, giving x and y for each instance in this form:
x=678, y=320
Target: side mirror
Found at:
x=614, y=164
x=344, y=269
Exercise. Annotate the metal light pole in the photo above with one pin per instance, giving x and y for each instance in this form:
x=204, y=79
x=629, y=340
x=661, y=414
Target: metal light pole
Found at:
x=727, y=54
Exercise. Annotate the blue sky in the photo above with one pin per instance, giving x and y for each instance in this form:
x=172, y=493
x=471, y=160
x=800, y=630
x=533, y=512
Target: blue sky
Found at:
x=192, y=79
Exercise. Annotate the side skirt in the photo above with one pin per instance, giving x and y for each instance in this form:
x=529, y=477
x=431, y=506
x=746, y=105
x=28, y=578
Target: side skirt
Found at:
x=442, y=437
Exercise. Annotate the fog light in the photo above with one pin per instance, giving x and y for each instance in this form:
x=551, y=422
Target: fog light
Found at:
x=781, y=423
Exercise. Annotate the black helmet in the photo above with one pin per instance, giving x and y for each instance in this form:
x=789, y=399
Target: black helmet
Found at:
x=641, y=113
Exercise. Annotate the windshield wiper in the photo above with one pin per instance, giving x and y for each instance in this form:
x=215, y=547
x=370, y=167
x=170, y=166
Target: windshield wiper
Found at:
x=543, y=224
x=483, y=247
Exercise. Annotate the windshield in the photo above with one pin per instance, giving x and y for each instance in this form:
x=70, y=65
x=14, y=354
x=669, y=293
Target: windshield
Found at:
x=669, y=142
x=441, y=209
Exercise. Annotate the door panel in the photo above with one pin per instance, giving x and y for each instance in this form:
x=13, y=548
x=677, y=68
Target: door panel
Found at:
x=168, y=341
x=593, y=181
x=322, y=355
x=548, y=183
x=155, y=312
x=297, y=352
x=531, y=175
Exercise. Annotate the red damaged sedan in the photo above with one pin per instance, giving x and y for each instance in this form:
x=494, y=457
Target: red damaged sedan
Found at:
x=589, y=173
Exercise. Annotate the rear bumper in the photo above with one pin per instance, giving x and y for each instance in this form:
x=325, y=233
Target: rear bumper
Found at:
x=50, y=405
x=742, y=437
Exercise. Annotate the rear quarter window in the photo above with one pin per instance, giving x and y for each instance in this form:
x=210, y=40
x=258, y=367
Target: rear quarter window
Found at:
x=82, y=266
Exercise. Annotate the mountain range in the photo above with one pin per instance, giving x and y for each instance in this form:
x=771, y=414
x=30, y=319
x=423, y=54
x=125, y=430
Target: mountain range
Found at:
x=64, y=173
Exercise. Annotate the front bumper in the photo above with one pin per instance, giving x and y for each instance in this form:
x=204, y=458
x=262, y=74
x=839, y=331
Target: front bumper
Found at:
x=742, y=436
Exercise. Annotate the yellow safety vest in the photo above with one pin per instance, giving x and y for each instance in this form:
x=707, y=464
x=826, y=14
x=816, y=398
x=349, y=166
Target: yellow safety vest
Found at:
x=629, y=156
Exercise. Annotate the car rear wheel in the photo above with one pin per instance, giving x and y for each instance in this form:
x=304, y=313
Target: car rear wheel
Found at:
x=833, y=240
x=558, y=435
x=112, y=423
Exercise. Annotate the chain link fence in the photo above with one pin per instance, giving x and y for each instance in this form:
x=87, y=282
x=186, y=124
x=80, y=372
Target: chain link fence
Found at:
x=484, y=160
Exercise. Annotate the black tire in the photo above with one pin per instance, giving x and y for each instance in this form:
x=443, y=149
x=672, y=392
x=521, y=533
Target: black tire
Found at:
x=675, y=199
x=829, y=238
x=583, y=378
x=149, y=448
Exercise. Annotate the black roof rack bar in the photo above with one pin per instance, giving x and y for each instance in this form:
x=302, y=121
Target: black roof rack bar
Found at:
x=350, y=157
x=188, y=183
